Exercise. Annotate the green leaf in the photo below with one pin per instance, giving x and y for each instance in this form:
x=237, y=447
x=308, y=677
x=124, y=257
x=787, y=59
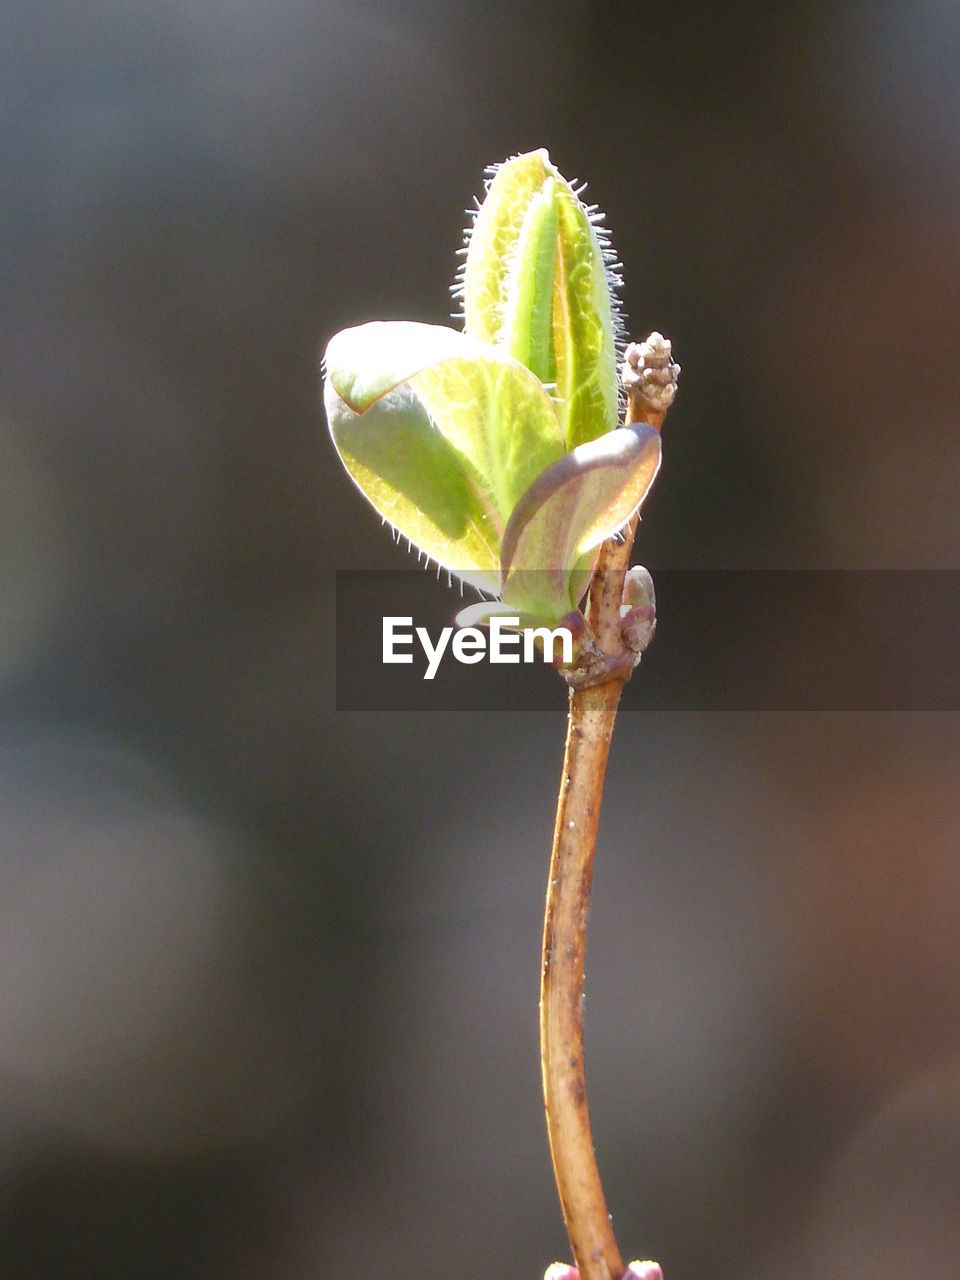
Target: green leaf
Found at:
x=442, y=435
x=528, y=301
x=493, y=241
x=583, y=327
x=535, y=281
x=551, y=541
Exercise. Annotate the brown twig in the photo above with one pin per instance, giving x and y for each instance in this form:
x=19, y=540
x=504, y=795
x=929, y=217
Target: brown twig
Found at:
x=592, y=712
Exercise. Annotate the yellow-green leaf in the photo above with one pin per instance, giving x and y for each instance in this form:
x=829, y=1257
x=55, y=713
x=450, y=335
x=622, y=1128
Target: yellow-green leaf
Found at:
x=535, y=281
x=441, y=434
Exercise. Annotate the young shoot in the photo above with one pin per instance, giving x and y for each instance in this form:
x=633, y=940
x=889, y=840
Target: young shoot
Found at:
x=509, y=452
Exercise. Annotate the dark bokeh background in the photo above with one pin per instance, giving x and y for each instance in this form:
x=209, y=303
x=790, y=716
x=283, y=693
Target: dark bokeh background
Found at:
x=267, y=971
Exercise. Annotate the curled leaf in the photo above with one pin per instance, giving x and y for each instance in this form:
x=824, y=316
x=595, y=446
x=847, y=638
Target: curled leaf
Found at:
x=550, y=542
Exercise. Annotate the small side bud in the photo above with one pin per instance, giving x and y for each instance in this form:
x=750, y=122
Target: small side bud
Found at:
x=638, y=612
x=561, y=1271
x=635, y=1271
x=649, y=372
x=643, y=1271
x=638, y=588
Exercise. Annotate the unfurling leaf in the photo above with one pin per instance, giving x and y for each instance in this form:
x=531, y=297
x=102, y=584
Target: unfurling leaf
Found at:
x=536, y=282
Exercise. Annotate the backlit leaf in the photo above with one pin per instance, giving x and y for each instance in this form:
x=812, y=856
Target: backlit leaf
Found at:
x=536, y=282
x=552, y=538
x=441, y=434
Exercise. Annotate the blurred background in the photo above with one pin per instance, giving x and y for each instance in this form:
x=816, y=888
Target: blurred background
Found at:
x=268, y=972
